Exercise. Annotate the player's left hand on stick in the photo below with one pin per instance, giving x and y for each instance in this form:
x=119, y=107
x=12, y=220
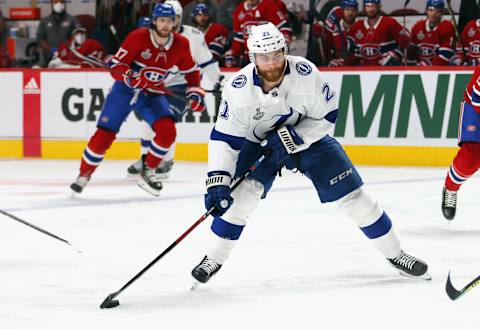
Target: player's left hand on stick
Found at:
x=218, y=192
x=196, y=99
x=281, y=143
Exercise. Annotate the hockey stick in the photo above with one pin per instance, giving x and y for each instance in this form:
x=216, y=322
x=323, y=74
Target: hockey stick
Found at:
x=457, y=33
x=343, y=39
x=110, y=302
x=37, y=228
x=405, y=51
x=114, y=33
x=454, y=293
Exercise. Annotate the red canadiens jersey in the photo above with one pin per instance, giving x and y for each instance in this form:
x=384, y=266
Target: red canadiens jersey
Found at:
x=434, y=46
x=338, y=31
x=244, y=17
x=372, y=42
x=90, y=54
x=140, y=51
x=471, y=40
x=216, y=39
x=472, y=93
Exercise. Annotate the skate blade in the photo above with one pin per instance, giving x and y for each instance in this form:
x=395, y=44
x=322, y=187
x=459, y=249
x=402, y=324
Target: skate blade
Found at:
x=425, y=276
x=195, y=285
x=141, y=183
x=133, y=176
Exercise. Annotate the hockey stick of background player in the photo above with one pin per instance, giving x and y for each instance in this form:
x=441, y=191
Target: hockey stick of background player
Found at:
x=115, y=34
x=37, y=228
x=454, y=293
x=457, y=33
x=343, y=39
x=405, y=51
x=110, y=302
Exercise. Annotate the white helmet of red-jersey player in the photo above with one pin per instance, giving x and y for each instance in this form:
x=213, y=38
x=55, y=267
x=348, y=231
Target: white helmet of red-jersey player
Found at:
x=265, y=38
x=177, y=6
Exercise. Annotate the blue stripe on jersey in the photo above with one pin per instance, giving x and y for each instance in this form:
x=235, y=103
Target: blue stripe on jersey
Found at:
x=388, y=47
x=475, y=97
x=332, y=116
x=446, y=53
x=157, y=150
x=235, y=142
x=207, y=63
x=144, y=142
x=216, y=49
x=379, y=228
x=225, y=229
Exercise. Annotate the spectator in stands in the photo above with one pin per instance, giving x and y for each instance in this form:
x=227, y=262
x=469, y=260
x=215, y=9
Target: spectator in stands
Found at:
x=79, y=52
x=378, y=39
x=225, y=13
x=432, y=38
x=215, y=33
x=248, y=13
x=3, y=30
x=470, y=54
x=53, y=30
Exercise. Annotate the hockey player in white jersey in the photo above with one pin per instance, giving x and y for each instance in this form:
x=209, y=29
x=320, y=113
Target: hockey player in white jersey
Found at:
x=286, y=101
x=177, y=85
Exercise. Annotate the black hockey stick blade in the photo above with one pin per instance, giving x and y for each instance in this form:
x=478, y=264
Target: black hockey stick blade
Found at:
x=454, y=293
x=110, y=302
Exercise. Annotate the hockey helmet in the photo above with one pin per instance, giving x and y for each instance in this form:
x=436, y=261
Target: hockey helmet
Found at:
x=439, y=4
x=349, y=4
x=177, y=6
x=372, y=2
x=265, y=38
x=201, y=8
x=144, y=21
x=163, y=10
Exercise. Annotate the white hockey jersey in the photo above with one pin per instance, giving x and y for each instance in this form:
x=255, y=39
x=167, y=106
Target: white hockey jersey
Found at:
x=303, y=99
x=202, y=56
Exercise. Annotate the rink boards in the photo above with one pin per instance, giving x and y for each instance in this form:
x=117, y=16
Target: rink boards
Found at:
x=388, y=117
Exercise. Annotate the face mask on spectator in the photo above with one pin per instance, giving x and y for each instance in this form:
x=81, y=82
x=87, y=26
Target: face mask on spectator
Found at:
x=59, y=7
x=80, y=38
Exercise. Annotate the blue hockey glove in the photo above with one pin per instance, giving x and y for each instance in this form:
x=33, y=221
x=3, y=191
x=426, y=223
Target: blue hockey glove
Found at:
x=281, y=143
x=218, y=192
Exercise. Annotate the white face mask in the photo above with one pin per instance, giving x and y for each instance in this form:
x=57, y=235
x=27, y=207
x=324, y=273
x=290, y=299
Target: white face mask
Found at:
x=80, y=38
x=59, y=7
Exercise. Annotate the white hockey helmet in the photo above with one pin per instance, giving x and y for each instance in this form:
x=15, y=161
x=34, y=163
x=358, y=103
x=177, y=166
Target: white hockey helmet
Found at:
x=265, y=38
x=177, y=6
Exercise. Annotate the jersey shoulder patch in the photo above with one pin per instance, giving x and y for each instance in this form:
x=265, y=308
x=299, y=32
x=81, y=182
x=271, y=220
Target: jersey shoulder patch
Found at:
x=303, y=68
x=239, y=81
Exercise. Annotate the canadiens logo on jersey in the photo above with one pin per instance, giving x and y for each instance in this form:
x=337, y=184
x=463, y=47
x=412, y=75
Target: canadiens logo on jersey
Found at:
x=303, y=68
x=146, y=54
x=369, y=51
x=239, y=81
x=153, y=74
x=474, y=49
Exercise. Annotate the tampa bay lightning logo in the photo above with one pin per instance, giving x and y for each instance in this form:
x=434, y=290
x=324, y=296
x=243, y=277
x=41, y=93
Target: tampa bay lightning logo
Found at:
x=303, y=68
x=239, y=81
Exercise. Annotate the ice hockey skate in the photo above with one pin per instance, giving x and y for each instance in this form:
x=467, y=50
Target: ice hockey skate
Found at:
x=449, y=203
x=204, y=271
x=150, y=181
x=79, y=184
x=410, y=266
x=163, y=170
x=135, y=169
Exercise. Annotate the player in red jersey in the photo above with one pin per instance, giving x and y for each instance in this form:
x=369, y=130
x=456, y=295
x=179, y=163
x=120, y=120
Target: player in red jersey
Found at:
x=248, y=13
x=141, y=65
x=433, y=38
x=337, y=25
x=215, y=33
x=378, y=40
x=471, y=41
x=79, y=51
x=467, y=160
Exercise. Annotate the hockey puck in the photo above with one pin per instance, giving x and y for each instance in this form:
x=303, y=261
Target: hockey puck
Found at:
x=109, y=302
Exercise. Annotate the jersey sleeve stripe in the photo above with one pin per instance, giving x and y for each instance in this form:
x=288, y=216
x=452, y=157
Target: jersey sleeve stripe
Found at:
x=235, y=142
x=332, y=116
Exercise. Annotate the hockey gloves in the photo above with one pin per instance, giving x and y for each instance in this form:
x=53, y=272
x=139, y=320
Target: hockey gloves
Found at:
x=218, y=192
x=281, y=143
x=196, y=99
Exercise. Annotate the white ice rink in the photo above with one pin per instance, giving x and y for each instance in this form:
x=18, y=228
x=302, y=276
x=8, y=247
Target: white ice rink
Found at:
x=299, y=264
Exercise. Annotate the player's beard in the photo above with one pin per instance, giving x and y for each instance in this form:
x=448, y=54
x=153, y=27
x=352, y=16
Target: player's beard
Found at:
x=164, y=33
x=272, y=75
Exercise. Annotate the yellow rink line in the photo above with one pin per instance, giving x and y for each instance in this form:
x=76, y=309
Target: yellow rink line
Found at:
x=360, y=154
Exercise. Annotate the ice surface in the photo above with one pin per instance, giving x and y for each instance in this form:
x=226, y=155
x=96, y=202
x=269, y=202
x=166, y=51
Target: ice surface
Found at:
x=300, y=264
